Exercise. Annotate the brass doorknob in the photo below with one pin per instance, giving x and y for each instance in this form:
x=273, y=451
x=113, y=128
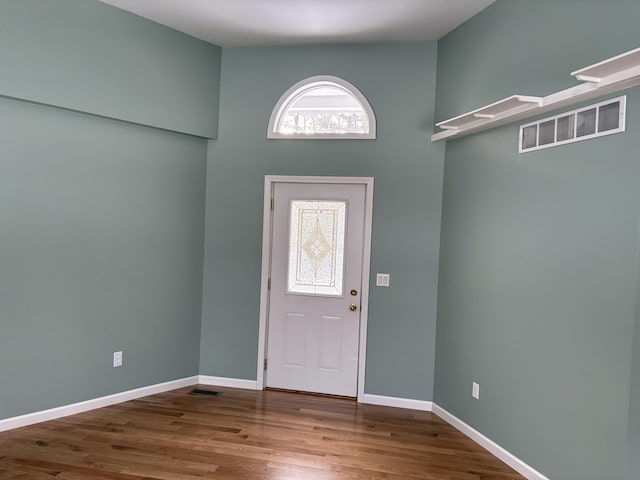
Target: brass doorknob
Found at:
x=353, y=307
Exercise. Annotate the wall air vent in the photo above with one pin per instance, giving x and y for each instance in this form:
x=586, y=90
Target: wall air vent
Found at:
x=596, y=120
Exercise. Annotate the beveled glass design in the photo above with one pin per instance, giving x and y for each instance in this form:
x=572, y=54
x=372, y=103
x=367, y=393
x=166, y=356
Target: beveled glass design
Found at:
x=316, y=247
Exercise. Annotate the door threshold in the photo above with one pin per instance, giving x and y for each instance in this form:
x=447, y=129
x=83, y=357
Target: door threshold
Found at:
x=312, y=394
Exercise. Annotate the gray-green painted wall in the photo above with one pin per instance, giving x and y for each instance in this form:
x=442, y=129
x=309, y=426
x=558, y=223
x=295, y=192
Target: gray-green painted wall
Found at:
x=91, y=57
x=528, y=47
x=101, y=221
x=537, y=285
x=399, y=82
x=633, y=447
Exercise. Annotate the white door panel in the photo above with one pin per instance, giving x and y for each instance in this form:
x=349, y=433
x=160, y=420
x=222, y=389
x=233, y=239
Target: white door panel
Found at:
x=330, y=344
x=294, y=350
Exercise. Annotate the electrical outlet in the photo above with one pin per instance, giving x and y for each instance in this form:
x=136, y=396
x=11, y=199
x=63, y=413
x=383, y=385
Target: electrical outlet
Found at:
x=117, y=359
x=475, y=391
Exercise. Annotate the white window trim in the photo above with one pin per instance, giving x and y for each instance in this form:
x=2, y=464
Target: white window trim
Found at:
x=303, y=85
x=621, y=125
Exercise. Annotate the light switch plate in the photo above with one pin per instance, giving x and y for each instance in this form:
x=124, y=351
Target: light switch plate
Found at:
x=382, y=280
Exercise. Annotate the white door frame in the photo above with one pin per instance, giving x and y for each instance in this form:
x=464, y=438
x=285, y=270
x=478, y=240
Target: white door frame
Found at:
x=267, y=222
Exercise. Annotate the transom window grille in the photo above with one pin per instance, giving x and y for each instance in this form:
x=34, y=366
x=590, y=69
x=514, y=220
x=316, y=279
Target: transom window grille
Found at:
x=322, y=107
x=603, y=118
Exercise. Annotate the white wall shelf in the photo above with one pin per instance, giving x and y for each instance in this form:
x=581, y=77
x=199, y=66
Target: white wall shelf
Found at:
x=507, y=106
x=602, y=78
x=607, y=69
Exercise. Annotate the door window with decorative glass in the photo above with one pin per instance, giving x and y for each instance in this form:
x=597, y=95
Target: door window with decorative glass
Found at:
x=316, y=247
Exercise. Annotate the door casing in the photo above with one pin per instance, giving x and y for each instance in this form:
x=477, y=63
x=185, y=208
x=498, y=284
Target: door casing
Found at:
x=267, y=223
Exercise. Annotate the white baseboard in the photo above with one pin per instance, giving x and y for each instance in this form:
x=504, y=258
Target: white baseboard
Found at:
x=63, y=411
x=397, y=402
x=59, y=412
x=488, y=444
x=228, y=382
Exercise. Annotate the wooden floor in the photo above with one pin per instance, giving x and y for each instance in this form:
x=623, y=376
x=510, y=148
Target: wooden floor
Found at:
x=245, y=435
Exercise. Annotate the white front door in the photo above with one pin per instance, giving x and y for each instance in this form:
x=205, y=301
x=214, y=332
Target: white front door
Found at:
x=315, y=296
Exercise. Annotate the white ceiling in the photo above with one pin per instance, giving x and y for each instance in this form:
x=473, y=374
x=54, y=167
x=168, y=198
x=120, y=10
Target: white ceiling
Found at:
x=294, y=22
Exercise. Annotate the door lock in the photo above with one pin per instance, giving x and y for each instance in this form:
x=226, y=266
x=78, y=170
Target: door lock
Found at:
x=353, y=307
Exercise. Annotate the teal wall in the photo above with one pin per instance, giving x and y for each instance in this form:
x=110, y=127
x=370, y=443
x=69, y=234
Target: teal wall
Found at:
x=101, y=221
x=529, y=48
x=399, y=82
x=537, y=285
x=91, y=57
x=119, y=233
x=633, y=447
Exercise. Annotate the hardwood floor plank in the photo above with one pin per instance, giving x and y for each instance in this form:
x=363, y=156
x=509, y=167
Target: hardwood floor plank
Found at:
x=246, y=435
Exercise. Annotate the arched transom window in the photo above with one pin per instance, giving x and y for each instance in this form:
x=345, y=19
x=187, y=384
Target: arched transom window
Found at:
x=322, y=107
